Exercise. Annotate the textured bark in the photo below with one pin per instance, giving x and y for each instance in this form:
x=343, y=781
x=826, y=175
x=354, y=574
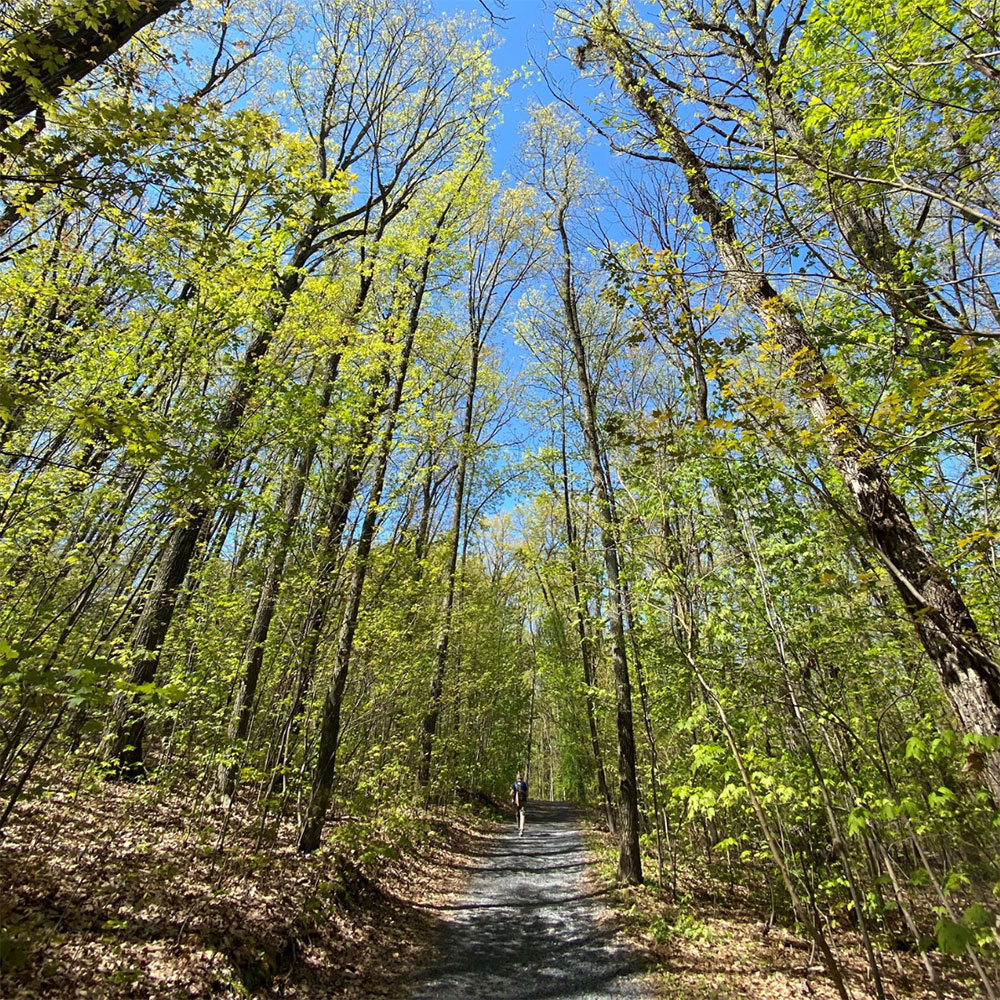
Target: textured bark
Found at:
x=65, y=50
x=969, y=675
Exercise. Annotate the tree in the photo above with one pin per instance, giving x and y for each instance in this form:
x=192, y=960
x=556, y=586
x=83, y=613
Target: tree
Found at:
x=48, y=57
x=555, y=150
x=407, y=317
x=501, y=253
x=970, y=676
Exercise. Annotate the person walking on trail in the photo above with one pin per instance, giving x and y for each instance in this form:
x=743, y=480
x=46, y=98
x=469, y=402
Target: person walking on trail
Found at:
x=519, y=796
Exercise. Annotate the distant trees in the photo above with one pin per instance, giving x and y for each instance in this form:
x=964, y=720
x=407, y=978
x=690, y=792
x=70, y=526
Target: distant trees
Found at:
x=502, y=250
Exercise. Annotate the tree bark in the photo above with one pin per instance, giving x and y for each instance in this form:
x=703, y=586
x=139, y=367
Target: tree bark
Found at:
x=61, y=52
x=629, y=859
x=586, y=647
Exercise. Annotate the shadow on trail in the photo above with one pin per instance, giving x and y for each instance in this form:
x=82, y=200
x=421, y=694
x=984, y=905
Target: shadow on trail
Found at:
x=529, y=926
x=533, y=903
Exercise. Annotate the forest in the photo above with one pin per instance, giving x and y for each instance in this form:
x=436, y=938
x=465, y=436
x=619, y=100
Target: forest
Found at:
x=345, y=470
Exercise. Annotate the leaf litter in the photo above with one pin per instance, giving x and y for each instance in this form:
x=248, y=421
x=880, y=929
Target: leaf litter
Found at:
x=714, y=941
x=122, y=891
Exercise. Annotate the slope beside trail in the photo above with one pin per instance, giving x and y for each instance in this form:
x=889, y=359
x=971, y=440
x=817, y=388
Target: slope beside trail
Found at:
x=529, y=926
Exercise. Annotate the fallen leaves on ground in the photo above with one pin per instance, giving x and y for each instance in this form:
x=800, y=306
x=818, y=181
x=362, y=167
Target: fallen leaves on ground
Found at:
x=714, y=943
x=118, y=891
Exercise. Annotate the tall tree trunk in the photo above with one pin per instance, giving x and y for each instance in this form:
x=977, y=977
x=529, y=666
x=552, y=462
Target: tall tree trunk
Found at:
x=586, y=643
x=496, y=268
x=324, y=585
x=969, y=674
x=323, y=773
x=466, y=442
x=267, y=601
x=253, y=655
x=322, y=785
x=629, y=859
x=647, y=719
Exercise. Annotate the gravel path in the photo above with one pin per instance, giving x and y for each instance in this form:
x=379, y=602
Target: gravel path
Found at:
x=528, y=926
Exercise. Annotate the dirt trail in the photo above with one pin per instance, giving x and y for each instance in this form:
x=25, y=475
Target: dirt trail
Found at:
x=529, y=926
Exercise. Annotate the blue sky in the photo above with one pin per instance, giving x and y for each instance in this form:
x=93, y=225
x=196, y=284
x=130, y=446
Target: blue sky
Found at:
x=523, y=36
x=523, y=33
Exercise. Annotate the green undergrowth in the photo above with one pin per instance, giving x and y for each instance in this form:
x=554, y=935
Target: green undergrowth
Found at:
x=713, y=939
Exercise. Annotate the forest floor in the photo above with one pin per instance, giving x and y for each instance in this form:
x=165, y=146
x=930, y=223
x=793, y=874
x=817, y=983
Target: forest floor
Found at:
x=714, y=942
x=115, y=891
x=112, y=892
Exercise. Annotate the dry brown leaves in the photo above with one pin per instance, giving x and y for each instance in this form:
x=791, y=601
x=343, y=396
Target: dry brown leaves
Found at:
x=121, y=892
x=717, y=946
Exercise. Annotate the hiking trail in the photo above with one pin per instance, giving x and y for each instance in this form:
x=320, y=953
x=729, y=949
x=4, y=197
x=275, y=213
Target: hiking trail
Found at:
x=529, y=927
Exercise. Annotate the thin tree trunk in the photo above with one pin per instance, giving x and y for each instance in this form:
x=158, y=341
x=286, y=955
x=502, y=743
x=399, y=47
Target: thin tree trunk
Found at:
x=267, y=600
x=466, y=443
x=647, y=719
x=324, y=585
x=629, y=858
x=323, y=773
x=322, y=785
x=586, y=643
x=253, y=656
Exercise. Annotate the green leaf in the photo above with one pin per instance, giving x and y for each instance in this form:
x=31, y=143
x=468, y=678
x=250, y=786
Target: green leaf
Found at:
x=952, y=938
x=977, y=915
